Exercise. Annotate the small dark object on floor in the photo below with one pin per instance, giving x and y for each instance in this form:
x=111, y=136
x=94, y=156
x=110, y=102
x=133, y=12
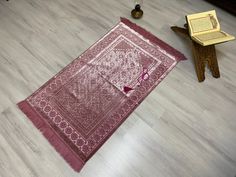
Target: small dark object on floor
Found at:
x=137, y=12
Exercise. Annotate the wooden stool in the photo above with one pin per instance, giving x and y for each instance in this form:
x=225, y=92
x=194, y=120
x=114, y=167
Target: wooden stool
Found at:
x=203, y=55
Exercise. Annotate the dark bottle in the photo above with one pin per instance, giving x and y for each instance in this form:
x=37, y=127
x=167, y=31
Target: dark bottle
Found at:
x=137, y=12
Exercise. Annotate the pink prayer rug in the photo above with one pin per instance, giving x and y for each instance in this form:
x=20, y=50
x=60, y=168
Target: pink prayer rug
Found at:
x=80, y=107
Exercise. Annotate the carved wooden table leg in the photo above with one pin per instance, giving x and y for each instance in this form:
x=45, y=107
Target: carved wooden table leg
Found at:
x=212, y=63
x=203, y=55
x=199, y=61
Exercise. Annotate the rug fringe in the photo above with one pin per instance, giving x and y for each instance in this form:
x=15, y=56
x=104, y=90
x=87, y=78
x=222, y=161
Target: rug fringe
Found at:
x=178, y=55
x=66, y=152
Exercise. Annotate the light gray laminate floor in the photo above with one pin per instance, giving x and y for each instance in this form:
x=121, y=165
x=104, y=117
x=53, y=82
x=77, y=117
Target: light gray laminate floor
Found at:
x=182, y=129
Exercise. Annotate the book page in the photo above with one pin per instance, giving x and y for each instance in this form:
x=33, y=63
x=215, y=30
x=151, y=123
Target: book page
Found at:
x=201, y=24
x=210, y=36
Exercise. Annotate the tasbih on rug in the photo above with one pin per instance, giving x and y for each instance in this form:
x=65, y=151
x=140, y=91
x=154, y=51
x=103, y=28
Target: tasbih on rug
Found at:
x=80, y=107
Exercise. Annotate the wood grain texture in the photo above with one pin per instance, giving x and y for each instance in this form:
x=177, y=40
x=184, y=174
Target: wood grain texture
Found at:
x=183, y=128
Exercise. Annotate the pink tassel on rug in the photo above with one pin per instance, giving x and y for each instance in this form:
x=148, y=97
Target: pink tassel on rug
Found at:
x=127, y=89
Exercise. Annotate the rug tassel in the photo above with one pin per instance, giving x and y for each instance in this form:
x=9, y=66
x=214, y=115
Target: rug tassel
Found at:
x=127, y=89
x=61, y=147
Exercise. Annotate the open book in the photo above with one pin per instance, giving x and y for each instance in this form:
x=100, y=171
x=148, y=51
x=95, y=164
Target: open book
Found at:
x=204, y=28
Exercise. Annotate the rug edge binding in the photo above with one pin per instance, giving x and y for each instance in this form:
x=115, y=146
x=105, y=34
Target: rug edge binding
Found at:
x=178, y=55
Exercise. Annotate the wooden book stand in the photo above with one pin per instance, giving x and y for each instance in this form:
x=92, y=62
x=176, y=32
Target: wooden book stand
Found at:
x=203, y=55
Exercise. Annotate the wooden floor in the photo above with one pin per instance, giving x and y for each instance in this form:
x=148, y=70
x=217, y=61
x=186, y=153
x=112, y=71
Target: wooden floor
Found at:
x=183, y=129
